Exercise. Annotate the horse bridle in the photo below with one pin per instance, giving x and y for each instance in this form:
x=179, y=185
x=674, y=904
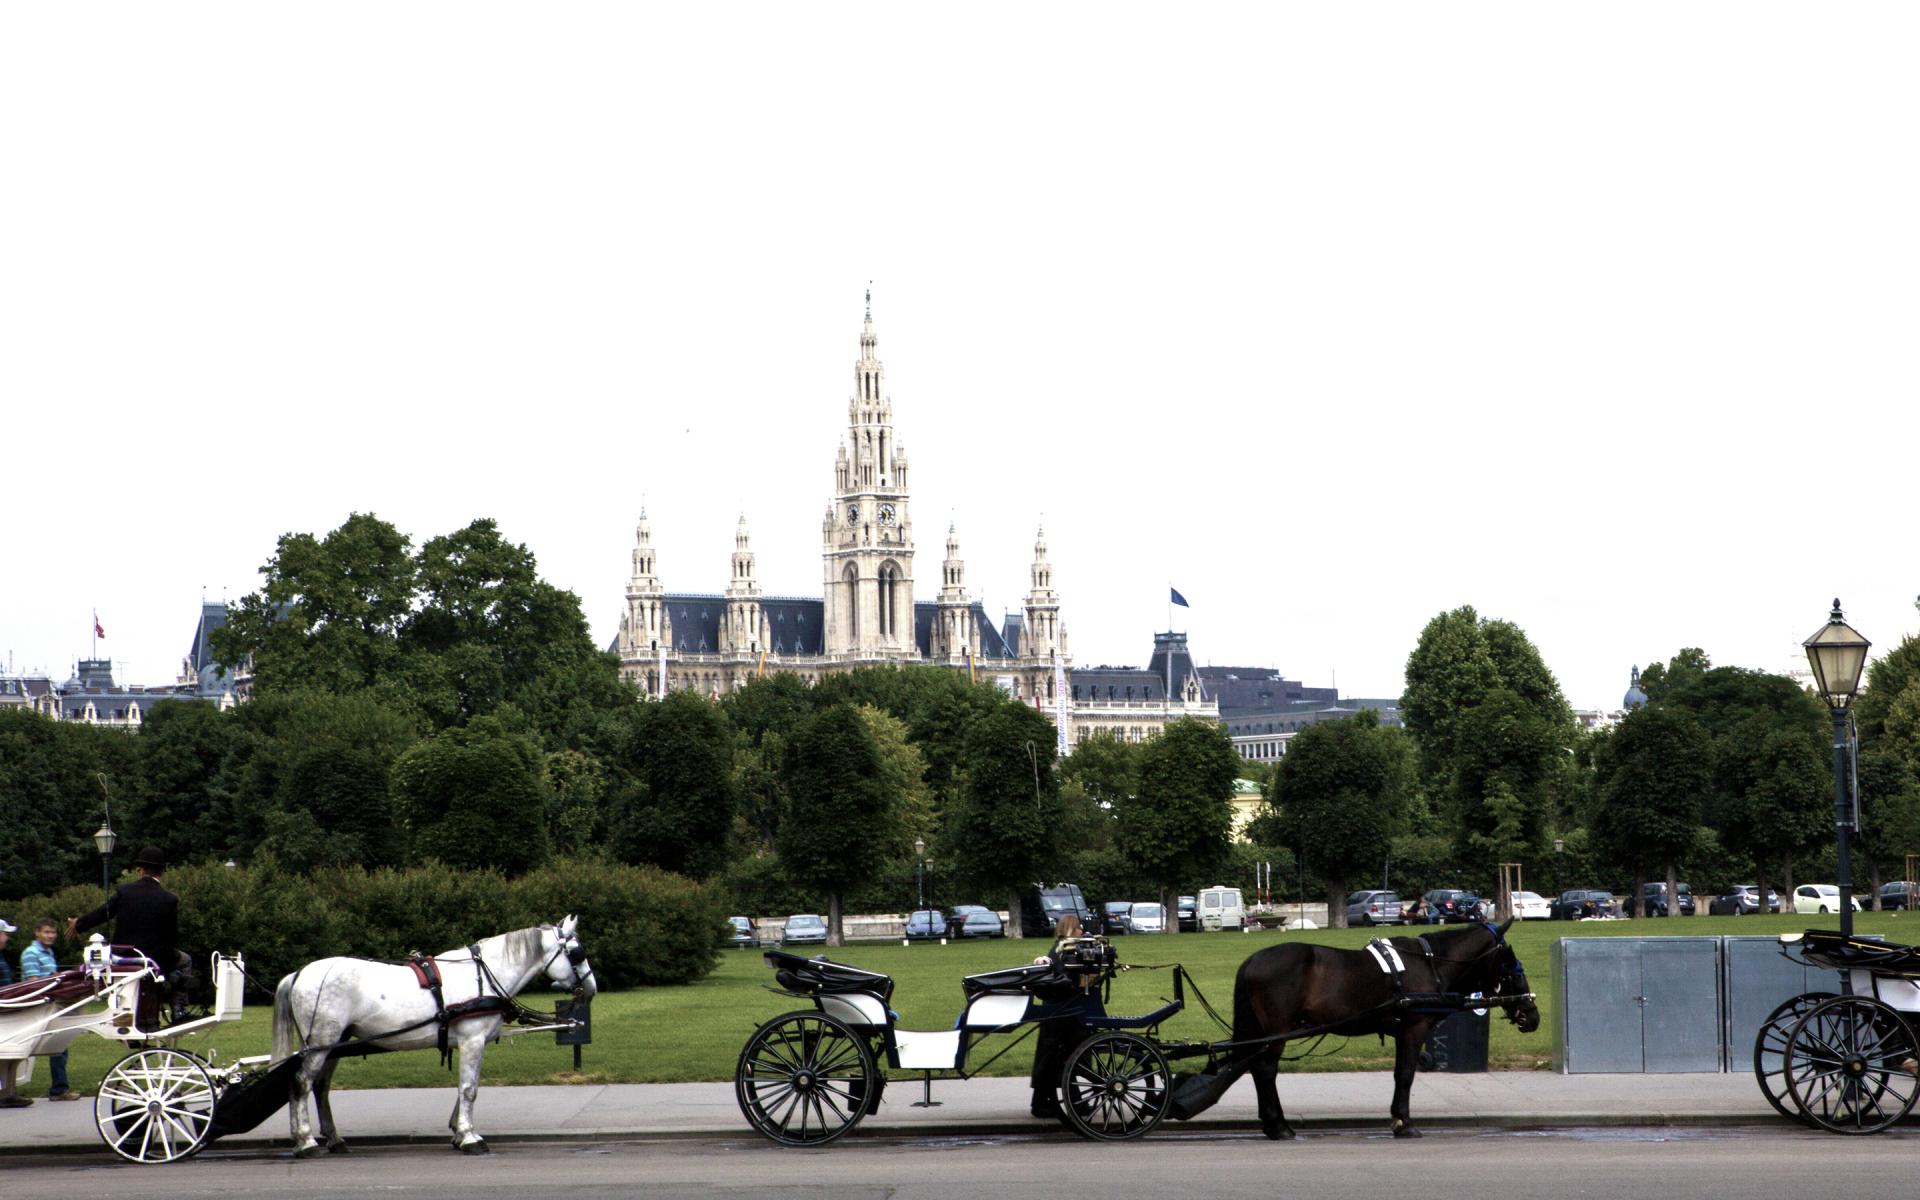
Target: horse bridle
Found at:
x=1512, y=971
x=576, y=954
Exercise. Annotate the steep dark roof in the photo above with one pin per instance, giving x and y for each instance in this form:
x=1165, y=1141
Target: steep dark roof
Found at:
x=797, y=626
x=213, y=615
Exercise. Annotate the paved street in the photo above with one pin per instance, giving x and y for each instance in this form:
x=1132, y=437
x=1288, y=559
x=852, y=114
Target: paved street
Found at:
x=1739, y=1162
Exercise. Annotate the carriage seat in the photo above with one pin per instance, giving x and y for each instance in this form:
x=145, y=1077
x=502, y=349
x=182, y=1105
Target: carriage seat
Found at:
x=821, y=976
x=1025, y=979
x=61, y=987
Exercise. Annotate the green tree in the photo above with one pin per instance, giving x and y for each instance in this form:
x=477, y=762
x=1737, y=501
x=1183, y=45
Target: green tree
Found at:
x=1175, y=828
x=1001, y=831
x=1772, y=793
x=1492, y=730
x=1656, y=772
x=51, y=799
x=841, y=819
x=179, y=798
x=1683, y=670
x=330, y=614
x=474, y=797
x=676, y=806
x=1339, y=796
x=1096, y=782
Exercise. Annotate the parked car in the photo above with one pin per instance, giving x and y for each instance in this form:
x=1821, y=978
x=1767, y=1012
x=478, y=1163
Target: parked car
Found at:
x=980, y=923
x=1221, y=907
x=1442, y=906
x=1114, y=914
x=925, y=924
x=1653, y=900
x=1581, y=904
x=740, y=933
x=1742, y=899
x=803, y=929
x=1819, y=898
x=1147, y=918
x=1375, y=908
x=1895, y=896
x=1189, y=915
x=1042, y=908
x=1529, y=906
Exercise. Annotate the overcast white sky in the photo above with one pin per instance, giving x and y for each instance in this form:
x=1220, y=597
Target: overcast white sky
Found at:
x=1599, y=318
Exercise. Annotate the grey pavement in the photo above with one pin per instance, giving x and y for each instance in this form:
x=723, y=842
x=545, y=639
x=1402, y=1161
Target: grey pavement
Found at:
x=601, y=1112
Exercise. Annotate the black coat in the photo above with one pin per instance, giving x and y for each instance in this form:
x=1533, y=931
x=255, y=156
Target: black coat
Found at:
x=146, y=916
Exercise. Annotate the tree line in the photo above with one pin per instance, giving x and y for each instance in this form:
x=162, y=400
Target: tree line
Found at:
x=442, y=704
x=1724, y=775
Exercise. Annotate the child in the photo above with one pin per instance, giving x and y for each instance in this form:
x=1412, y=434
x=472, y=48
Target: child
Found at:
x=35, y=961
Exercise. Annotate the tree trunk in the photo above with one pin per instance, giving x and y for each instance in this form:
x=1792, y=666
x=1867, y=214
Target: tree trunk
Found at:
x=1016, y=928
x=1764, y=909
x=1673, y=890
x=1170, y=908
x=1639, y=898
x=1336, y=907
x=833, y=920
x=1873, y=878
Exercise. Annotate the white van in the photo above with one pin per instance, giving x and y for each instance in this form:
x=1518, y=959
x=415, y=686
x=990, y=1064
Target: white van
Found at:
x=1220, y=908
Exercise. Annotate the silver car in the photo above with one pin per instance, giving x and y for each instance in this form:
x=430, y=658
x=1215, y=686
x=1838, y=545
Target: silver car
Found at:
x=804, y=929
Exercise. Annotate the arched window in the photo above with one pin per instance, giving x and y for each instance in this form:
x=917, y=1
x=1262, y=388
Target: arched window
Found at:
x=889, y=579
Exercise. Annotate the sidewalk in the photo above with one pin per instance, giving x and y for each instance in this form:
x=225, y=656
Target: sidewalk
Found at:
x=595, y=1112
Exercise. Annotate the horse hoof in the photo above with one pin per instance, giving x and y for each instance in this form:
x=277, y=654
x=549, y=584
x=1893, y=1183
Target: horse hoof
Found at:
x=475, y=1147
x=339, y=1148
x=1279, y=1133
x=1402, y=1129
x=308, y=1151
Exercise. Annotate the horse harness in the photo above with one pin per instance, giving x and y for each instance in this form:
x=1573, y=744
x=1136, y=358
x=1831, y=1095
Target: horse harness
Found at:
x=427, y=970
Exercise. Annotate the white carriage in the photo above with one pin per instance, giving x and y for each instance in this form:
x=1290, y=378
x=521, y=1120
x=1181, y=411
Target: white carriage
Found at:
x=159, y=1103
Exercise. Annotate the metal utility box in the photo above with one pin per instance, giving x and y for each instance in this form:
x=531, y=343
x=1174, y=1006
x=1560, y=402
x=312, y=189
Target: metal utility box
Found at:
x=1755, y=979
x=1638, y=1004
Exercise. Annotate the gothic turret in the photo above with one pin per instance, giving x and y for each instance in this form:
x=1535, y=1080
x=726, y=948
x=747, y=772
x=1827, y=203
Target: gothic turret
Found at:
x=742, y=625
x=644, y=628
x=867, y=560
x=1043, y=636
x=954, y=636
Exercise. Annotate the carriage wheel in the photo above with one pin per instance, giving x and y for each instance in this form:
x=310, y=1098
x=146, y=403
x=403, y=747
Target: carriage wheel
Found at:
x=805, y=1078
x=1115, y=1086
x=155, y=1106
x=1770, y=1052
x=1846, y=1065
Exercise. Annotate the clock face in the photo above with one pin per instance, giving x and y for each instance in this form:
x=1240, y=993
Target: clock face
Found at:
x=886, y=514
x=853, y=513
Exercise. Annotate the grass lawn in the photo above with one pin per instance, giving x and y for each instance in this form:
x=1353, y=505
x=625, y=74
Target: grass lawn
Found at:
x=682, y=1034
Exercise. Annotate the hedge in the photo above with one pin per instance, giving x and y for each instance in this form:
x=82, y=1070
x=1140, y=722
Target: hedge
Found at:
x=641, y=926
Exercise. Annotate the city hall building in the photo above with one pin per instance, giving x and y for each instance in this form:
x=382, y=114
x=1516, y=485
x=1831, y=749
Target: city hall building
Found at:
x=869, y=612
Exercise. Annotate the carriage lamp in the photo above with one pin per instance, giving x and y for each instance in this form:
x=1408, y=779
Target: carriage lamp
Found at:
x=1837, y=653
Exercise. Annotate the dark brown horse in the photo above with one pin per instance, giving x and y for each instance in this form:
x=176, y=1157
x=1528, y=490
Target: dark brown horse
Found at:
x=1303, y=986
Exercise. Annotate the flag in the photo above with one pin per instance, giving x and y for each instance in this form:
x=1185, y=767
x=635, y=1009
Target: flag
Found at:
x=1178, y=598
x=97, y=631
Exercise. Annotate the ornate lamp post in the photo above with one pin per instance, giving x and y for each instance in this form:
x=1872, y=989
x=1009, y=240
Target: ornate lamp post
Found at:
x=103, y=841
x=1559, y=855
x=920, y=853
x=103, y=837
x=1838, y=654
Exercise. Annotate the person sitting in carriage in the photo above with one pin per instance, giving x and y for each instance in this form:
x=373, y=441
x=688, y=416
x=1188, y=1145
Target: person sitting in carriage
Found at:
x=146, y=916
x=1058, y=1036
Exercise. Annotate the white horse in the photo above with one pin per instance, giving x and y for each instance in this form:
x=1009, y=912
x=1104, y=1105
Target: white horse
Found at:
x=335, y=1000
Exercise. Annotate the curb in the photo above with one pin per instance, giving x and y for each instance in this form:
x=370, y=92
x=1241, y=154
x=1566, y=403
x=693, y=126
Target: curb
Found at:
x=989, y=1127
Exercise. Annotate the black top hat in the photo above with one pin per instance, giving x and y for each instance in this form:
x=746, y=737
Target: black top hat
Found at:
x=151, y=858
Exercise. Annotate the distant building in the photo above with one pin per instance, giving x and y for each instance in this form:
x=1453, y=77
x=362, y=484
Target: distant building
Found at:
x=91, y=694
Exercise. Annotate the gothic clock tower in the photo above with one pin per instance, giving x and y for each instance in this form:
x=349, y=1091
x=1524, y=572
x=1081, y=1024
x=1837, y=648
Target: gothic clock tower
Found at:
x=867, y=535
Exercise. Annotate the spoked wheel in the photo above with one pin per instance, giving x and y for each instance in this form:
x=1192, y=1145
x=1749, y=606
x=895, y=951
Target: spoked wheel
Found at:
x=1770, y=1051
x=805, y=1078
x=155, y=1106
x=1115, y=1086
x=1849, y=1065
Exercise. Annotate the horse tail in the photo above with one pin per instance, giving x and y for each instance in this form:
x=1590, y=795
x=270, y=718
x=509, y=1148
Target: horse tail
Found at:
x=286, y=1035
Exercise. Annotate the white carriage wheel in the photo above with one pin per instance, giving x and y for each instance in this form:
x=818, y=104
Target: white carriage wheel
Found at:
x=155, y=1106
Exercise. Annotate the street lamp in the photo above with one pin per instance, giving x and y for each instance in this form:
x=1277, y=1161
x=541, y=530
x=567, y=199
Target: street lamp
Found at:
x=103, y=841
x=1559, y=854
x=920, y=853
x=1838, y=654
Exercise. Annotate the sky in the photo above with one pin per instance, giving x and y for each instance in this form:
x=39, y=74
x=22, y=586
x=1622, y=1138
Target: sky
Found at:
x=1598, y=318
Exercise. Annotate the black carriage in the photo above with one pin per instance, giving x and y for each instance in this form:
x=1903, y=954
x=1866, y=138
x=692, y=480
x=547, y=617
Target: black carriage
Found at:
x=805, y=1078
x=1847, y=1063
